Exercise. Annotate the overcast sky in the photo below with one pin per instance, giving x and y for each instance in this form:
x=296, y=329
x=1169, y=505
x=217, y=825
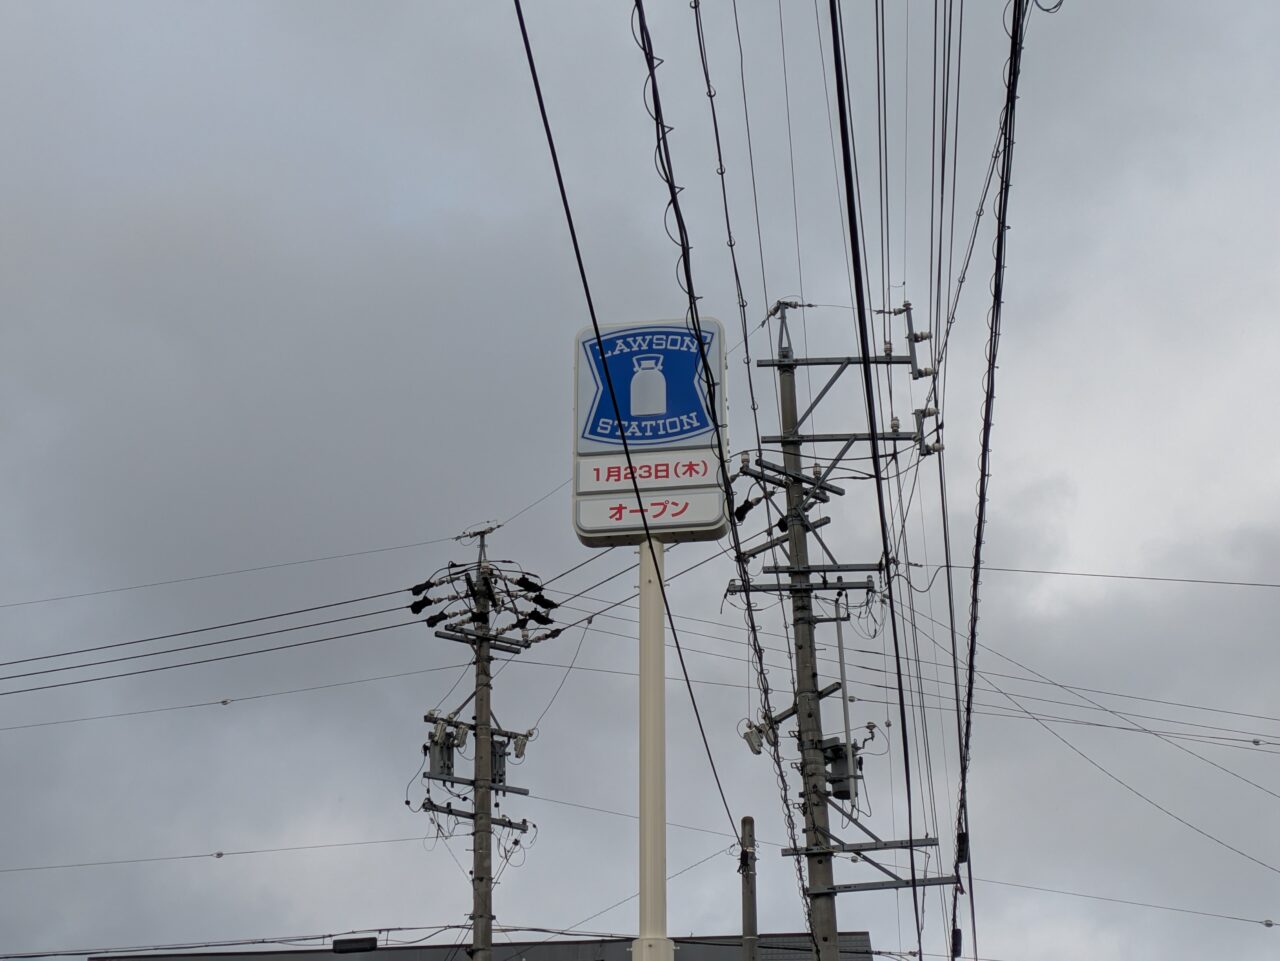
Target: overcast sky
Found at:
x=282, y=281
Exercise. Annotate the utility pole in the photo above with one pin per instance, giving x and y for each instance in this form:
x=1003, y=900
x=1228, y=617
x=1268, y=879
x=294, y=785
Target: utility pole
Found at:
x=475, y=598
x=813, y=769
x=482, y=831
x=830, y=768
x=747, y=867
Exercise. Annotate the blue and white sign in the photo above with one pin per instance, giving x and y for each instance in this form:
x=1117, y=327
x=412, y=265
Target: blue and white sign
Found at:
x=665, y=413
x=659, y=382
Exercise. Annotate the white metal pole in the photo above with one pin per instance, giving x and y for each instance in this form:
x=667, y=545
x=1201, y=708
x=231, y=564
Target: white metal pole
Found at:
x=652, y=944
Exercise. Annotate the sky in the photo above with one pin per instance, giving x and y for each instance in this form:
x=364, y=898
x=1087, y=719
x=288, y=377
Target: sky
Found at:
x=287, y=281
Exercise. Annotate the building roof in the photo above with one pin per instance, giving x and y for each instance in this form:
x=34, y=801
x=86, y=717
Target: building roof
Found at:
x=854, y=946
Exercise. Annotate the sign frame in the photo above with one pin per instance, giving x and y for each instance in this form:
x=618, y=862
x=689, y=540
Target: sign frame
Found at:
x=671, y=434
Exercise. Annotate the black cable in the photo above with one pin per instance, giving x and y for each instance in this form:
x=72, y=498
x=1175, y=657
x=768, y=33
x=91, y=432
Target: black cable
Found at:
x=613, y=396
x=201, y=945
x=266, y=567
x=751, y=156
x=1124, y=784
x=1014, y=69
x=193, y=647
x=202, y=630
x=224, y=702
x=1137, y=577
x=842, y=104
x=744, y=575
x=594, y=557
x=207, y=660
x=567, y=671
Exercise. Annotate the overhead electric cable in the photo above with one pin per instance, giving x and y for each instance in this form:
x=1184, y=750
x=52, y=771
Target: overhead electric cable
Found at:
x=608, y=376
x=207, y=660
x=1138, y=577
x=202, y=630
x=193, y=647
x=744, y=574
x=1013, y=72
x=265, y=567
x=864, y=342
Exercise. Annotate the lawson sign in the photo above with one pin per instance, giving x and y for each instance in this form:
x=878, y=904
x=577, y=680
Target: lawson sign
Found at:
x=658, y=381
x=664, y=413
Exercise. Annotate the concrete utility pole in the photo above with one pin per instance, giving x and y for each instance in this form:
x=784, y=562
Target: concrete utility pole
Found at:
x=482, y=833
x=652, y=943
x=750, y=934
x=813, y=768
x=489, y=608
x=831, y=768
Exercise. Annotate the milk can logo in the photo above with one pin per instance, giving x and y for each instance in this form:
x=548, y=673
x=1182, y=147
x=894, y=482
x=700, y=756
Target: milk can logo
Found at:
x=658, y=377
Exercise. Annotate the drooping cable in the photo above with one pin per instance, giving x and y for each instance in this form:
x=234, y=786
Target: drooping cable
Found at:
x=203, y=630
x=608, y=376
x=762, y=676
x=863, y=324
x=995, y=315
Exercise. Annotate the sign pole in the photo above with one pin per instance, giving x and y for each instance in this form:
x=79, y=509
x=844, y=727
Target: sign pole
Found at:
x=652, y=944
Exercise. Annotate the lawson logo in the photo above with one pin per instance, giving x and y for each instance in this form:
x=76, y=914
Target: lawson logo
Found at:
x=658, y=377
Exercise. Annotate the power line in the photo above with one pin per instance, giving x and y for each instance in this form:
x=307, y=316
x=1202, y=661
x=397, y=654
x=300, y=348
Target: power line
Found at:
x=208, y=855
x=193, y=647
x=1137, y=577
x=762, y=679
x=1266, y=923
x=1013, y=70
x=225, y=702
x=1134, y=791
x=608, y=376
x=202, y=630
x=851, y=200
x=267, y=567
x=207, y=660
x=200, y=945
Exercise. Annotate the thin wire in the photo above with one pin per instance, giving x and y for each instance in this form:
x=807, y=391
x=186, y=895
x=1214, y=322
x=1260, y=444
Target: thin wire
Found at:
x=568, y=669
x=207, y=660
x=214, y=855
x=1013, y=72
x=193, y=647
x=202, y=630
x=1134, y=791
x=613, y=397
x=842, y=105
x=1137, y=577
x=265, y=567
x=762, y=679
x=224, y=702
